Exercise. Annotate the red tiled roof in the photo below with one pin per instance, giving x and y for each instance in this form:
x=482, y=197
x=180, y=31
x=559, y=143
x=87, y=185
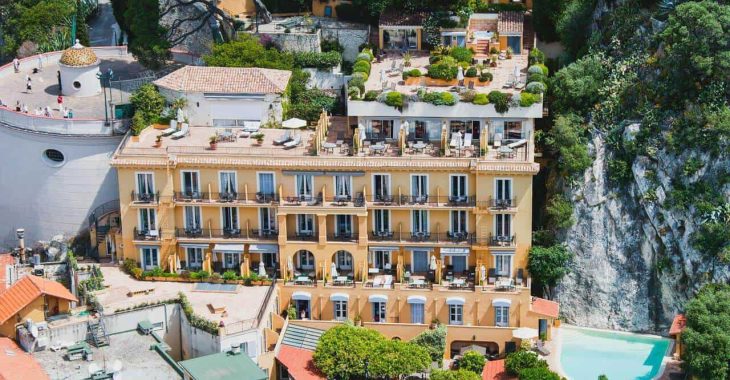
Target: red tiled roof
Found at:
x=678, y=324
x=494, y=370
x=226, y=80
x=510, y=23
x=15, y=364
x=5, y=260
x=299, y=363
x=23, y=292
x=545, y=307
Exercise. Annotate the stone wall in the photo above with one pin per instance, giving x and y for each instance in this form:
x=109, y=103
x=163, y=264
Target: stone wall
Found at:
x=349, y=36
x=299, y=42
x=198, y=42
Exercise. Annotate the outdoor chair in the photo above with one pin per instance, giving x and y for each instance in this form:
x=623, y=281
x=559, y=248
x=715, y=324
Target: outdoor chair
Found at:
x=492, y=276
x=294, y=142
x=467, y=140
x=517, y=143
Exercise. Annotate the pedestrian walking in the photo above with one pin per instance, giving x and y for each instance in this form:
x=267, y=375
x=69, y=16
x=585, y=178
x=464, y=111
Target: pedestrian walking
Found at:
x=60, y=102
x=16, y=64
x=28, y=86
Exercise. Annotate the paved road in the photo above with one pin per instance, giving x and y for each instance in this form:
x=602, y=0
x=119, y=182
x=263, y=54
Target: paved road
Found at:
x=101, y=28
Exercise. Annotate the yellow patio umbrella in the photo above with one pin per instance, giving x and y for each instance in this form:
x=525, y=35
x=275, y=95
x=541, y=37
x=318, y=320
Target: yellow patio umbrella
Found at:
x=402, y=139
x=356, y=141
x=483, y=139
x=445, y=140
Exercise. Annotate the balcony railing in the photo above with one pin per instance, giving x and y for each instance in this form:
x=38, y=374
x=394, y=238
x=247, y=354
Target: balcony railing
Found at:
x=424, y=200
x=344, y=237
x=502, y=203
x=262, y=197
x=265, y=233
x=190, y=196
x=303, y=200
x=302, y=237
x=346, y=200
x=422, y=237
x=501, y=240
x=224, y=233
x=192, y=233
x=142, y=234
x=145, y=197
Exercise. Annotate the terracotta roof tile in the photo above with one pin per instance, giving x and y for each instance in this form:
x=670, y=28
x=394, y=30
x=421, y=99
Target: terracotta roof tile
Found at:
x=15, y=364
x=545, y=307
x=226, y=80
x=678, y=324
x=298, y=363
x=510, y=23
x=27, y=289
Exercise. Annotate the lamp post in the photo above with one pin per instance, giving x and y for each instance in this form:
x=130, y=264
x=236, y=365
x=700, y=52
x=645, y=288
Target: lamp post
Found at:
x=105, y=79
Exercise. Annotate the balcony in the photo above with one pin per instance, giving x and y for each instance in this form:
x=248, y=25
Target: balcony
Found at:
x=146, y=234
x=303, y=200
x=226, y=233
x=424, y=200
x=342, y=237
x=422, y=237
x=345, y=201
x=145, y=198
x=192, y=233
x=500, y=204
x=191, y=196
x=302, y=236
x=501, y=240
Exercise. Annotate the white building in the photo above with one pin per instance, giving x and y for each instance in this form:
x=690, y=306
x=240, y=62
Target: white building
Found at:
x=227, y=96
x=79, y=67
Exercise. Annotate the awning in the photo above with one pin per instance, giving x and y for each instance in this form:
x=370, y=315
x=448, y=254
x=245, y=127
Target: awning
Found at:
x=261, y=248
x=383, y=248
x=496, y=251
x=455, y=301
x=378, y=298
x=427, y=249
x=454, y=251
x=416, y=299
x=228, y=248
x=301, y=296
x=194, y=245
x=339, y=297
x=501, y=302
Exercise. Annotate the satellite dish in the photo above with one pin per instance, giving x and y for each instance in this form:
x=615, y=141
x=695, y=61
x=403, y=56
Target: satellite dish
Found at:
x=93, y=368
x=116, y=366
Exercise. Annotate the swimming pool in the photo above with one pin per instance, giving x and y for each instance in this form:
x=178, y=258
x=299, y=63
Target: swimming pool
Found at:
x=586, y=353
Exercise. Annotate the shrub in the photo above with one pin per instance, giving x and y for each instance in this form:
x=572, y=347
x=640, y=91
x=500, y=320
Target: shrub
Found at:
x=203, y=275
x=332, y=45
x=434, y=59
x=481, y=99
x=318, y=60
x=353, y=92
x=137, y=273
x=567, y=139
x=371, y=95
x=536, y=56
x=148, y=102
x=442, y=374
x=363, y=57
x=486, y=77
x=535, y=87
x=537, y=77
x=538, y=373
x=439, y=98
x=713, y=240
x=517, y=361
x=357, y=82
x=229, y=275
x=472, y=361
x=361, y=75
x=434, y=341
x=468, y=96
x=500, y=101
x=560, y=211
x=394, y=99
x=138, y=124
x=462, y=54
x=128, y=265
x=527, y=99
x=471, y=72
x=361, y=66
x=443, y=71
x=414, y=73
x=369, y=52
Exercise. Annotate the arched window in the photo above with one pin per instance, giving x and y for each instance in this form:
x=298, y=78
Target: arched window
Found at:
x=305, y=259
x=343, y=259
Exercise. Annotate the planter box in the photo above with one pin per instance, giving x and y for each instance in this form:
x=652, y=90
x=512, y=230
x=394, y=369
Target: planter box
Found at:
x=413, y=81
x=441, y=82
x=160, y=126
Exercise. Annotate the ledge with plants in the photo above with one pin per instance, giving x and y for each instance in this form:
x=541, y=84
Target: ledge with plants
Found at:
x=158, y=274
x=360, y=73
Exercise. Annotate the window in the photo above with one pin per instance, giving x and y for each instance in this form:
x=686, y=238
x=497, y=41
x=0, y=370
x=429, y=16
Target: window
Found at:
x=456, y=314
x=192, y=218
x=230, y=219
x=380, y=259
x=503, y=225
x=381, y=129
x=419, y=220
x=195, y=257
x=381, y=187
x=458, y=221
x=381, y=220
x=501, y=316
x=379, y=312
x=344, y=260
x=503, y=191
x=306, y=260
x=266, y=184
x=53, y=157
x=343, y=225
x=231, y=260
x=267, y=219
x=513, y=130
x=147, y=220
x=503, y=265
x=343, y=187
x=190, y=184
x=283, y=373
x=305, y=185
x=419, y=188
x=269, y=259
x=150, y=257
x=457, y=190
x=340, y=310
x=228, y=185
x=145, y=186
x=417, y=313
x=305, y=224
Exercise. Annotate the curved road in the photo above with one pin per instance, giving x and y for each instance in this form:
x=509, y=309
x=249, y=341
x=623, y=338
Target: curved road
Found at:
x=102, y=27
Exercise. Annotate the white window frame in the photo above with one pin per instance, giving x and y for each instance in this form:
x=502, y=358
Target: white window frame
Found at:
x=347, y=217
x=199, y=217
x=387, y=187
x=305, y=178
x=305, y=260
x=380, y=310
x=340, y=310
x=422, y=314
x=456, y=314
x=143, y=259
x=271, y=219
x=269, y=259
x=197, y=257
x=235, y=181
x=466, y=185
x=335, y=186
x=229, y=262
x=343, y=260
x=500, y=314
x=273, y=182
x=307, y=219
x=137, y=182
x=182, y=182
x=151, y=214
x=465, y=227
x=503, y=224
x=381, y=214
x=234, y=214
x=413, y=190
x=499, y=259
x=427, y=224
x=497, y=187
x=379, y=255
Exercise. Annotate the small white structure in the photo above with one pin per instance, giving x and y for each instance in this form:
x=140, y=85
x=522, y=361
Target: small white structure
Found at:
x=227, y=96
x=79, y=66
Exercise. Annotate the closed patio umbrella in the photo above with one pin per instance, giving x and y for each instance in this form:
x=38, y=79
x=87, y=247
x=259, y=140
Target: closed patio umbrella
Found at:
x=290, y=265
x=179, y=116
x=433, y=263
x=483, y=273
x=460, y=74
x=294, y=123
x=333, y=270
x=516, y=73
x=262, y=269
x=177, y=262
x=525, y=333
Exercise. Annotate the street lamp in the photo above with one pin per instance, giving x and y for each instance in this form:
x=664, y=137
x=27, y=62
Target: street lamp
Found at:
x=105, y=79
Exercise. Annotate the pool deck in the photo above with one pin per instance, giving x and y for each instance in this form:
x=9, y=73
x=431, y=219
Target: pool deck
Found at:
x=555, y=347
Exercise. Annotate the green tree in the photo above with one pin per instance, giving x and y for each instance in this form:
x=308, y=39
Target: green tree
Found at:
x=434, y=341
x=461, y=374
x=706, y=337
x=560, y=212
x=147, y=38
x=548, y=265
x=545, y=15
x=342, y=351
x=573, y=25
x=577, y=87
x=147, y=102
x=566, y=139
x=519, y=360
x=472, y=361
x=538, y=373
x=394, y=358
x=247, y=51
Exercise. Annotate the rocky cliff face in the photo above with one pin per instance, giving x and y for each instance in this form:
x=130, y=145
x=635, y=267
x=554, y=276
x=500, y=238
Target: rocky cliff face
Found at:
x=634, y=264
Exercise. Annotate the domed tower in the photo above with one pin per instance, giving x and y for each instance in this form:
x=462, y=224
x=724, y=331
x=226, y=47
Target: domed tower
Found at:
x=79, y=66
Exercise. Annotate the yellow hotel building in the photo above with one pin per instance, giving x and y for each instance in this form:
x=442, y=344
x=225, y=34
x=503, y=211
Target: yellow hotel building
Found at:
x=355, y=223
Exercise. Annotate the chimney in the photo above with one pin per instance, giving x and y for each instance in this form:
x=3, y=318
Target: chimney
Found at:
x=20, y=233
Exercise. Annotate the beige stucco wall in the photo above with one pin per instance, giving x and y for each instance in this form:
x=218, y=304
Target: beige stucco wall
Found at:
x=34, y=311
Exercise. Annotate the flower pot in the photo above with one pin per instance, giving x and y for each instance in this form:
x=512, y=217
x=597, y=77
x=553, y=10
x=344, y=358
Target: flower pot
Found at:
x=157, y=144
x=213, y=146
x=135, y=138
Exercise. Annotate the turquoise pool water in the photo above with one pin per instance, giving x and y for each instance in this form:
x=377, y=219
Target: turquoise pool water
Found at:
x=586, y=354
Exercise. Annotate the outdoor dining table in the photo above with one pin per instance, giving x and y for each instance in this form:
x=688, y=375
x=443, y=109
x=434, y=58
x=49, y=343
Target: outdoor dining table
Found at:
x=377, y=148
x=419, y=147
x=329, y=147
x=505, y=151
x=302, y=280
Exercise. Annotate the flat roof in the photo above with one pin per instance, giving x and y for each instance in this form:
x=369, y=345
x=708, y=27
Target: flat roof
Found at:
x=223, y=366
x=131, y=348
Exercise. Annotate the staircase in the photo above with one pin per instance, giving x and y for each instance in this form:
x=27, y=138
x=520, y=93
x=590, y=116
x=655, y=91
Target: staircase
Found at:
x=528, y=34
x=482, y=47
x=96, y=332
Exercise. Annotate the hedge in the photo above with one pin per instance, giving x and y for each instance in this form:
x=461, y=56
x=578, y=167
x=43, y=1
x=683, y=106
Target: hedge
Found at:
x=358, y=82
x=394, y=99
x=481, y=99
x=527, y=99
x=361, y=75
x=500, y=101
x=318, y=60
x=536, y=87
x=462, y=54
x=439, y=98
x=361, y=66
x=486, y=77
x=371, y=95
x=471, y=72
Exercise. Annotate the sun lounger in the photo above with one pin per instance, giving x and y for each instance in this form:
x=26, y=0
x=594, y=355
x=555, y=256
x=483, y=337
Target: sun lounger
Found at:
x=294, y=142
x=285, y=137
x=172, y=129
x=251, y=126
x=388, y=281
x=467, y=140
x=541, y=349
x=517, y=143
x=184, y=131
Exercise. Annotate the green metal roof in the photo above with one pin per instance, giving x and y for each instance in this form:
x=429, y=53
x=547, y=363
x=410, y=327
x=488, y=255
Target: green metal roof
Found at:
x=223, y=366
x=301, y=337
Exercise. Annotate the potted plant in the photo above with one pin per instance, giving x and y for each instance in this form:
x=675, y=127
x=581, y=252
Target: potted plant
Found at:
x=494, y=60
x=213, y=142
x=407, y=59
x=259, y=137
x=358, y=320
x=434, y=323
x=158, y=141
x=509, y=52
